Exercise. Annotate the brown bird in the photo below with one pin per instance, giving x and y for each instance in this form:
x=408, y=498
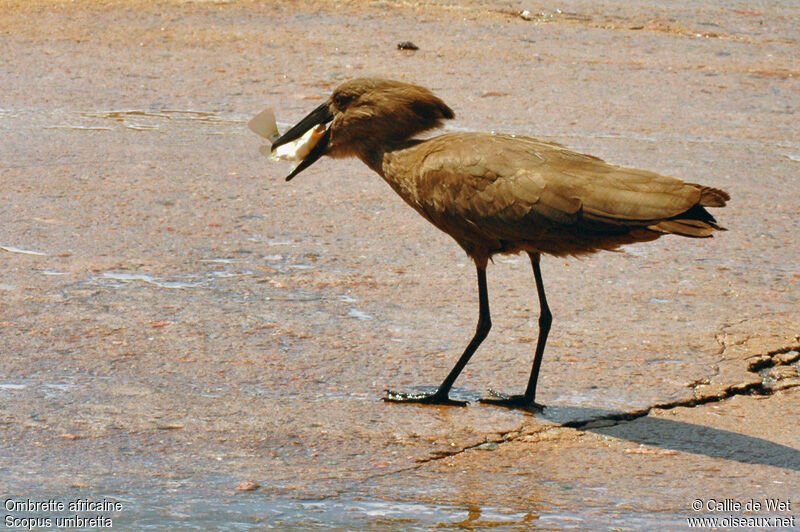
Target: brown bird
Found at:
x=496, y=193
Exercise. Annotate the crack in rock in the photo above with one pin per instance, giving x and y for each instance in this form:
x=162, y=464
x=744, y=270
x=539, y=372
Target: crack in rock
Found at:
x=775, y=368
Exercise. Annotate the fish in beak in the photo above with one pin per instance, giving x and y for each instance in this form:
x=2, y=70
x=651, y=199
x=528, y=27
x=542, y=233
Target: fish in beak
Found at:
x=305, y=142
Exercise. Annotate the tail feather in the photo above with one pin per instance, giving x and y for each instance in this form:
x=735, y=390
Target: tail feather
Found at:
x=712, y=197
x=690, y=228
x=696, y=222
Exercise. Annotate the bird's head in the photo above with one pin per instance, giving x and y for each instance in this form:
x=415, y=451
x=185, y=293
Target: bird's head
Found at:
x=363, y=116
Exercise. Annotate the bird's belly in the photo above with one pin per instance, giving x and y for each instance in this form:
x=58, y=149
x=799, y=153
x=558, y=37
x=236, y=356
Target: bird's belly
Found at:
x=482, y=239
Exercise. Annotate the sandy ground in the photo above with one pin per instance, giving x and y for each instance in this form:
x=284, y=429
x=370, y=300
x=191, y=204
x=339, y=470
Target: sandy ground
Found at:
x=176, y=320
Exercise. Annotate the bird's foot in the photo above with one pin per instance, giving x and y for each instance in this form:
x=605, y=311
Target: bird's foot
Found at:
x=520, y=402
x=421, y=398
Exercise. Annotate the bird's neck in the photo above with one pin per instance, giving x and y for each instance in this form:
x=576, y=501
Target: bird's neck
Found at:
x=376, y=156
x=374, y=159
x=396, y=164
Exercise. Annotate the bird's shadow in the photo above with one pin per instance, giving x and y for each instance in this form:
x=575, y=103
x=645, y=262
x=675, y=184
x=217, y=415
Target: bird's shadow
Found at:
x=677, y=435
x=659, y=432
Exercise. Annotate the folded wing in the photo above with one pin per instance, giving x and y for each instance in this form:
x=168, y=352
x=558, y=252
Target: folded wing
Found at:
x=516, y=188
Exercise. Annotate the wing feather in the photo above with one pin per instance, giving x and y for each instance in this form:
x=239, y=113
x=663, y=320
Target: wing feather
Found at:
x=481, y=176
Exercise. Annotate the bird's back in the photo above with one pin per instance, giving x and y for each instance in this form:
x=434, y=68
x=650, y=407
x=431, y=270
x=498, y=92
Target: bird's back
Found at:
x=501, y=193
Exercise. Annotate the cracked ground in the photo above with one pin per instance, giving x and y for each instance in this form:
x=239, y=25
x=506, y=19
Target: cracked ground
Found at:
x=176, y=321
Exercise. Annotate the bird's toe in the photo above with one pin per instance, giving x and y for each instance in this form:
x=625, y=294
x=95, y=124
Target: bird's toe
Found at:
x=518, y=402
x=421, y=398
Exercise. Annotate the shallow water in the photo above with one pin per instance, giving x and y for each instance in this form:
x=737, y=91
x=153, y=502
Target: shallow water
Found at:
x=250, y=510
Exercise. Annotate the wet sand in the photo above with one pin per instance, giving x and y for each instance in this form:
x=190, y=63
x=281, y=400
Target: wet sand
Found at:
x=176, y=320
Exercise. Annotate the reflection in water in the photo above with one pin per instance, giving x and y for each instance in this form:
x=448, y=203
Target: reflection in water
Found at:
x=487, y=518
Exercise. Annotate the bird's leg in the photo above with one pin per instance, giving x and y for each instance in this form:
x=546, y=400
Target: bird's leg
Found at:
x=545, y=320
x=440, y=397
x=527, y=401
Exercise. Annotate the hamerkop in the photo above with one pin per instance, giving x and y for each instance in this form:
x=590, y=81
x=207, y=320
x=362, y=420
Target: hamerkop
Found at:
x=495, y=193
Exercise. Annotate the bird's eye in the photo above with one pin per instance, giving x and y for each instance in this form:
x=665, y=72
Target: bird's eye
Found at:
x=340, y=100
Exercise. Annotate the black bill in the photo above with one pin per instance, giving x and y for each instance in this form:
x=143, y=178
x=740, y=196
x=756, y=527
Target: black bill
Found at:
x=316, y=152
x=320, y=115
